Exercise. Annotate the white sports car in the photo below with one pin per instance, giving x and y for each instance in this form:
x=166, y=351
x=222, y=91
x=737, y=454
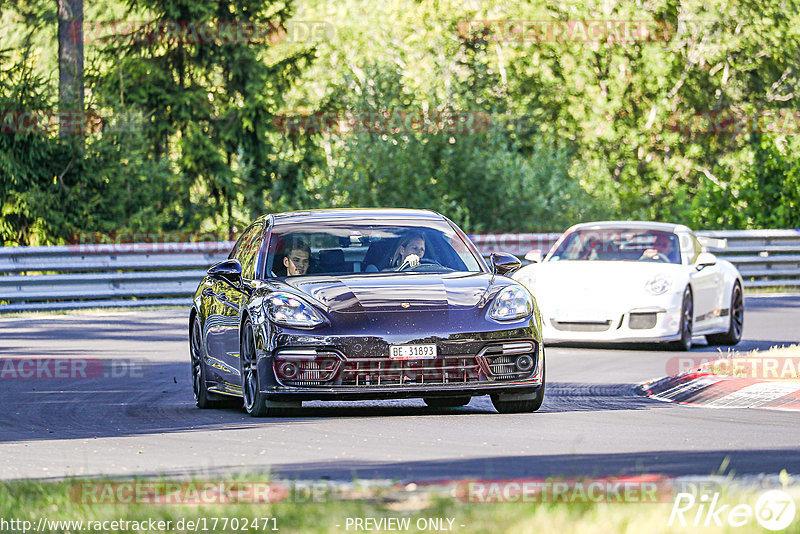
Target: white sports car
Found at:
x=623, y=281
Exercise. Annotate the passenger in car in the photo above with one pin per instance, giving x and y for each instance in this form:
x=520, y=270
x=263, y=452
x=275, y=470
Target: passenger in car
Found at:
x=298, y=257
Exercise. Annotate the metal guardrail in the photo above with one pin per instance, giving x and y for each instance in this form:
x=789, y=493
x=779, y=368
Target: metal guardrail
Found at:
x=129, y=275
x=104, y=275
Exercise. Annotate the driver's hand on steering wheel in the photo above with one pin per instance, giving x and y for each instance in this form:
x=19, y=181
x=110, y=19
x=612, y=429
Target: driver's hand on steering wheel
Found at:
x=652, y=254
x=412, y=260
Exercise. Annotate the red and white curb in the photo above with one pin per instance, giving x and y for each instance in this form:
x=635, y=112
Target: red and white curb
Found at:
x=703, y=388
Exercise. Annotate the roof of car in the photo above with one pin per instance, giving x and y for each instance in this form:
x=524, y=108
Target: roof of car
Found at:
x=647, y=225
x=352, y=213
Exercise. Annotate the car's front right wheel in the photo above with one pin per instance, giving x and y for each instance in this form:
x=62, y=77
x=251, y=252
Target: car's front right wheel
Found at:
x=255, y=401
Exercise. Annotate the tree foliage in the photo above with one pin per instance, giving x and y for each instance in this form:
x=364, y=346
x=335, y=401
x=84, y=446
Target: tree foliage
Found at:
x=577, y=129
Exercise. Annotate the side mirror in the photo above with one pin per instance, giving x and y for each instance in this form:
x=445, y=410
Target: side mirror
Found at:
x=705, y=259
x=228, y=270
x=504, y=264
x=534, y=256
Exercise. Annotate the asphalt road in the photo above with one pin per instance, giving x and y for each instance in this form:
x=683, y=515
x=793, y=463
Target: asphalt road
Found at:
x=130, y=411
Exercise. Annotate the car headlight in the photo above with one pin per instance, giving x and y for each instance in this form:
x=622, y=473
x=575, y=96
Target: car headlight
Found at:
x=658, y=285
x=511, y=303
x=291, y=311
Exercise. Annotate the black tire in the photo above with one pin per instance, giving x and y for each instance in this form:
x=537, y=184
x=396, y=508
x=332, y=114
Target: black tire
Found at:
x=447, y=402
x=255, y=402
x=202, y=397
x=736, y=325
x=521, y=406
x=687, y=323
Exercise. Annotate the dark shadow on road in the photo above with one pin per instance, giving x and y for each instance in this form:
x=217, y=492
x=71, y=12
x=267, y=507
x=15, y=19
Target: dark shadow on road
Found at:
x=159, y=400
x=667, y=462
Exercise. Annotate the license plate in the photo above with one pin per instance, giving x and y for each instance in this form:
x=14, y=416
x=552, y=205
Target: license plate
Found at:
x=412, y=352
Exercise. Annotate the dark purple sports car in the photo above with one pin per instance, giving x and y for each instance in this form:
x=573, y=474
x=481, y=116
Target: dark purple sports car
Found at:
x=363, y=304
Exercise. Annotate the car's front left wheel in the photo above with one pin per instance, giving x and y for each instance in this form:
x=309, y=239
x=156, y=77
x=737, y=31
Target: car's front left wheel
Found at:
x=520, y=404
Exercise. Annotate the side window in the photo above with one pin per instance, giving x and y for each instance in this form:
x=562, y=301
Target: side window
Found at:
x=247, y=249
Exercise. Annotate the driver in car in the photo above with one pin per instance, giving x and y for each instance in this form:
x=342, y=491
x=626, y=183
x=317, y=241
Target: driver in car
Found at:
x=409, y=252
x=662, y=250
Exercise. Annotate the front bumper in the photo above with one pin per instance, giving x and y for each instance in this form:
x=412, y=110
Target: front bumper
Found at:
x=474, y=364
x=282, y=394
x=644, y=324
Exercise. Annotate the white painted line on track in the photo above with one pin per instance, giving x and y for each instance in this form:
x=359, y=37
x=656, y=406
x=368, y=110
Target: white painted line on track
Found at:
x=755, y=395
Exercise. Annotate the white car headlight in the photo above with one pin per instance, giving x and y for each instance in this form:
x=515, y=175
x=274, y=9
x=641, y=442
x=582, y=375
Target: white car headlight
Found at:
x=291, y=311
x=658, y=285
x=511, y=303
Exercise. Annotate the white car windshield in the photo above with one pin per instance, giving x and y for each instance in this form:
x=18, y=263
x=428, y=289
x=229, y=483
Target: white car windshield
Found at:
x=619, y=244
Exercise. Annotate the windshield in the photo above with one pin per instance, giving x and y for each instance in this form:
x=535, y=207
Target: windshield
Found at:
x=321, y=248
x=619, y=244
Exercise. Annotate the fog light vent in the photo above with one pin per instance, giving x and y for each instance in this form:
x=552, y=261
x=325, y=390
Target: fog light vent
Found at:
x=642, y=321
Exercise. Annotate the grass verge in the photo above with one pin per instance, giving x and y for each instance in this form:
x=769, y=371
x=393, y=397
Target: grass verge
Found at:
x=411, y=509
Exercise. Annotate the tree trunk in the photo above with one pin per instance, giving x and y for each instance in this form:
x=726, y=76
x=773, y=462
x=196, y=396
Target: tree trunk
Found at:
x=70, y=67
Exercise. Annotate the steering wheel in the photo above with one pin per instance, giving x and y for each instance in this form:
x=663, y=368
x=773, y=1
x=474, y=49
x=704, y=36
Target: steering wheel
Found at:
x=422, y=261
x=658, y=256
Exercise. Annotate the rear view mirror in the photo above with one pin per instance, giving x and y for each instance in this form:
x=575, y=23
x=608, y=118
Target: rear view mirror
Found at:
x=705, y=259
x=534, y=256
x=504, y=264
x=227, y=270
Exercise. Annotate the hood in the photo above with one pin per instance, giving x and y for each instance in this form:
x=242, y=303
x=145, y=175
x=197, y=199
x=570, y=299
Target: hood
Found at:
x=595, y=279
x=390, y=292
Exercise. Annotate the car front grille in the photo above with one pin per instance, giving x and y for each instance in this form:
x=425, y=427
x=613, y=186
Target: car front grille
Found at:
x=583, y=326
x=382, y=372
x=495, y=362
